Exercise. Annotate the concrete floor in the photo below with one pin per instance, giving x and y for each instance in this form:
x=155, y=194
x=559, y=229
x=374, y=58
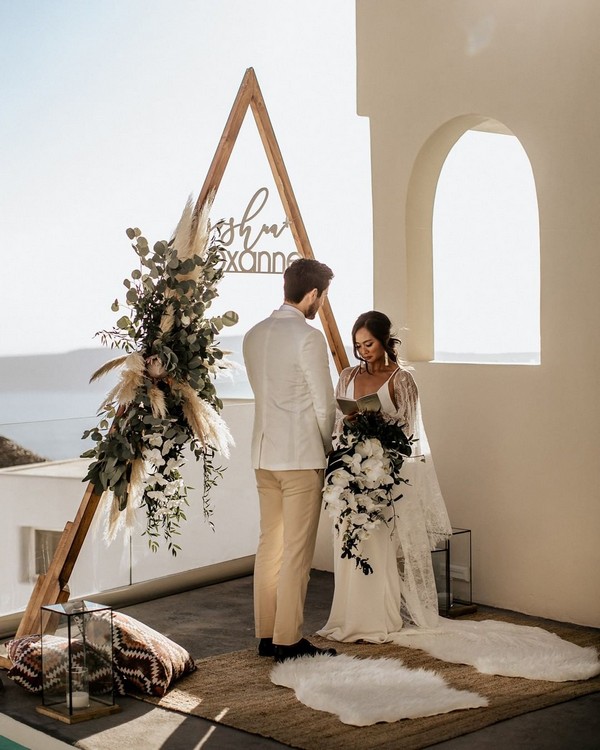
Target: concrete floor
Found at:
x=218, y=618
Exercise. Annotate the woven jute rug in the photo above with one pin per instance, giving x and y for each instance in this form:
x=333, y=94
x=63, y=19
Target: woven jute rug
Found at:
x=235, y=689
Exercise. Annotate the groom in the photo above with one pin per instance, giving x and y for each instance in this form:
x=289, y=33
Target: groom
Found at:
x=288, y=369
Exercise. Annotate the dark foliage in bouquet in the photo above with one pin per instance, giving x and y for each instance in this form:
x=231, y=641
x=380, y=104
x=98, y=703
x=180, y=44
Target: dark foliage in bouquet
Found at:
x=363, y=479
x=165, y=401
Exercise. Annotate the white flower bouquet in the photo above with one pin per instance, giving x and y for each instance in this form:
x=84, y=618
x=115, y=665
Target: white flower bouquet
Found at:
x=363, y=481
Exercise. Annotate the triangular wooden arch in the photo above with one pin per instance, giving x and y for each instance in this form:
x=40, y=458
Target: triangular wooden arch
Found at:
x=249, y=95
x=53, y=588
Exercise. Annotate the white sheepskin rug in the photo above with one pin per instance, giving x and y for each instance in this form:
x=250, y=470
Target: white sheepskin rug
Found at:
x=504, y=648
x=365, y=691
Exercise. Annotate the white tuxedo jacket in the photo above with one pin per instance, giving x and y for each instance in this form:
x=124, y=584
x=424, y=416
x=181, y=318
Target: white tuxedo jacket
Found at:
x=287, y=364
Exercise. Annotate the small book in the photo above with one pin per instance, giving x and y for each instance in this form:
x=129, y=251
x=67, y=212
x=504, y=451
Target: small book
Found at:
x=370, y=402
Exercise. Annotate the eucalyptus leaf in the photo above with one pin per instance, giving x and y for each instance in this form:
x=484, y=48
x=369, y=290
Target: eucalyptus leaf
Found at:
x=230, y=318
x=187, y=266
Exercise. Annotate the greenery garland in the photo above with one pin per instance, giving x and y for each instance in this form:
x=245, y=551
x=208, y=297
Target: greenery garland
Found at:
x=165, y=401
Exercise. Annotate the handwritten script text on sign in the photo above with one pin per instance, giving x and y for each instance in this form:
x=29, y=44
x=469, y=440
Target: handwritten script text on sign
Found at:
x=250, y=260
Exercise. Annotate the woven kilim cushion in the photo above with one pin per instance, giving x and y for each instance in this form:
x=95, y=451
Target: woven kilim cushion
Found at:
x=145, y=660
x=26, y=657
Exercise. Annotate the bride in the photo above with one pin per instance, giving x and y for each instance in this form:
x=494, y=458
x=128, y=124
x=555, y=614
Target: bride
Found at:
x=384, y=583
x=401, y=588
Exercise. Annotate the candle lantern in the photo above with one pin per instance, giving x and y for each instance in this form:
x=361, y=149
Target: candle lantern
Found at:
x=77, y=661
x=453, y=575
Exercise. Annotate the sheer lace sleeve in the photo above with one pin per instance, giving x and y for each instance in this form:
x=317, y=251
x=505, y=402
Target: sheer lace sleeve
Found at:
x=406, y=398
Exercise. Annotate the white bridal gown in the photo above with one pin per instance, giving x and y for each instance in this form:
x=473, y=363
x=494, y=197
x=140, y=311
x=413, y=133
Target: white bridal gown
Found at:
x=401, y=590
x=397, y=603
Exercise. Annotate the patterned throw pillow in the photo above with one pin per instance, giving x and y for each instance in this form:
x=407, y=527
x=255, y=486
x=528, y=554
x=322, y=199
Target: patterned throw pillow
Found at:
x=145, y=661
x=26, y=657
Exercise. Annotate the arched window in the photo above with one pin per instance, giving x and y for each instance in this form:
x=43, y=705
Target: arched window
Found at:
x=486, y=257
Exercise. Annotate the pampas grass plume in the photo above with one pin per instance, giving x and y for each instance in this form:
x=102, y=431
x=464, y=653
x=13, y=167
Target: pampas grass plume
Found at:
x=157, y=402
x=204, y=420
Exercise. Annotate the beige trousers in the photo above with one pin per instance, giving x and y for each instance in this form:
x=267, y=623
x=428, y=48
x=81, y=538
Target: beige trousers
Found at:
x=290, y=503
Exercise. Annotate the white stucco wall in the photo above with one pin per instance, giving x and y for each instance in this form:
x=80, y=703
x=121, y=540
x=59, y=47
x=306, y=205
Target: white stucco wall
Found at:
x=516, y=447
x=47, y=496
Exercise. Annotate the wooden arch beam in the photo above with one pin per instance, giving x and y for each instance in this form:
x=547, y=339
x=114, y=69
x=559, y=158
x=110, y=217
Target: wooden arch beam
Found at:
x=250, y=95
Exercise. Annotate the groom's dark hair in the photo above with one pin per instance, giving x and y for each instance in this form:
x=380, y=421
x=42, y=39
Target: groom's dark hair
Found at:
x=304, y=275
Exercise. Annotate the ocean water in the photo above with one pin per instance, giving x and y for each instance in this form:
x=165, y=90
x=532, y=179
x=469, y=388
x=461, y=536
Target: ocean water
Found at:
x=47, y=401
x=51, y=423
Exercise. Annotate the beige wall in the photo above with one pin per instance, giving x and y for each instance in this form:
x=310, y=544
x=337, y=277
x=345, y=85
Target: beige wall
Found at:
x=516, y=447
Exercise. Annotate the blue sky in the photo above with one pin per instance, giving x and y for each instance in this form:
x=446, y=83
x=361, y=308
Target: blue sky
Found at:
x=112, y=111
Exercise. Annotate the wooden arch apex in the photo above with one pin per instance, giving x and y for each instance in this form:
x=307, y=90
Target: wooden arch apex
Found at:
x=249, y=95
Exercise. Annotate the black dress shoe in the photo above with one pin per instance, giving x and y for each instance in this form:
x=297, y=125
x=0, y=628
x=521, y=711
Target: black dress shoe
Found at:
x=266, y=647
x=302, y=648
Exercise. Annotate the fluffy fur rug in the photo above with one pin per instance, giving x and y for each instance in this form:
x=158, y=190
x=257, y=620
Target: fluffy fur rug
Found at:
x=366, y=691
x=503, y=648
